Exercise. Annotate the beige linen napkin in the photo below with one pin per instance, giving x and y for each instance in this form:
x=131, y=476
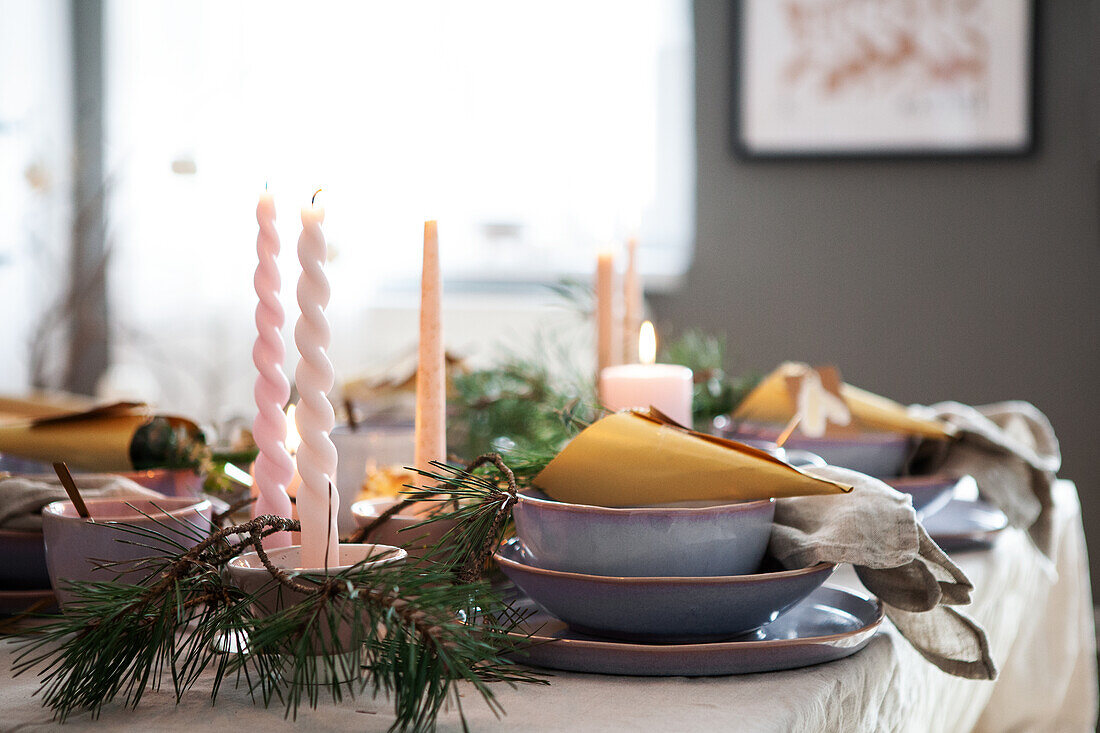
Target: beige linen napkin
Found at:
x=22, y=497
x=1011, y=451
x=875, y=529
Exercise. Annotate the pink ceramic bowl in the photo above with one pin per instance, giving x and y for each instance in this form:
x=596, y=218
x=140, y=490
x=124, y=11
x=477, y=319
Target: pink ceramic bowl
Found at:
x=75, y=547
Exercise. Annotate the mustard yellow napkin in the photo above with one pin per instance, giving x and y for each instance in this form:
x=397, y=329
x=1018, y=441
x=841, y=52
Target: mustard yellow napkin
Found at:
x=92, y=440
x=774, y=401
x=641, y=457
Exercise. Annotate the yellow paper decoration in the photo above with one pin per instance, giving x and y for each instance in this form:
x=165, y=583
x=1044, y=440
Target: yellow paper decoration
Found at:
x=636, y=458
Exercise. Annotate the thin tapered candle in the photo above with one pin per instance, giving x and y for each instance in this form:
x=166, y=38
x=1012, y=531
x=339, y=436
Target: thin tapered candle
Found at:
x=431, y=374
x=317, y=501
x=608, y=335
x=632, y=304
x=274, y=468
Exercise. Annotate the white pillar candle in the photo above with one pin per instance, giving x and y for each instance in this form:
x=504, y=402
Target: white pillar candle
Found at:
x=274, y=468
x=431, y=373
x=632, y=304
x=667, y=387
x=318, y=502
x=609, y=350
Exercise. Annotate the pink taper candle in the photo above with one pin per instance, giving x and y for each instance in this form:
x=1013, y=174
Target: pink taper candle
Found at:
x=431, y=374
x=318, y=500
x=274, y=468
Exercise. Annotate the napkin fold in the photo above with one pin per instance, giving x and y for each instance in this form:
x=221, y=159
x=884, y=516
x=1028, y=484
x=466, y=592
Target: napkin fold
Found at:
x=875, y=529
x=639, y=457
x=22, y=497
x=98, y=439
x=775, y=400
x=1011, y=451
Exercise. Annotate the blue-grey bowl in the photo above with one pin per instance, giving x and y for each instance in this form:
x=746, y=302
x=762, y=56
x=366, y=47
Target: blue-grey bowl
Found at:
x=930, y=493
x=687, y=539
x=660, y=609
x=875, y=454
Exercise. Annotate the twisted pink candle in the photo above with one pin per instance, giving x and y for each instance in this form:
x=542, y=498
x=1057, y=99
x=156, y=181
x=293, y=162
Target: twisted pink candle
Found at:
x=318, y=500
x=274, y=468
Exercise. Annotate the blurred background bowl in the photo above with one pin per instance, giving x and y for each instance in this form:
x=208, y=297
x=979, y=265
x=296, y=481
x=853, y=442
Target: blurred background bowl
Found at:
x=399, y=529
x=883, y=455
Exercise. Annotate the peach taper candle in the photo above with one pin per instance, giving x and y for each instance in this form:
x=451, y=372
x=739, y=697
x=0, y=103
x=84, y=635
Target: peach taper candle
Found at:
x=609, y=345
x=632, y=303
x=431, y=374
x=274, y=468
x=317, y=500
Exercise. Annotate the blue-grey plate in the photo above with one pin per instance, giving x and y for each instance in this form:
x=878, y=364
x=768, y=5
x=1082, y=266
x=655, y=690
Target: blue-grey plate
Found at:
x=966, y=524
x=830, y=624
x=662, y=609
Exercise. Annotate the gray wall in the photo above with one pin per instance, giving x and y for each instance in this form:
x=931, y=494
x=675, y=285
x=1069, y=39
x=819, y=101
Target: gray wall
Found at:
x=972, y=280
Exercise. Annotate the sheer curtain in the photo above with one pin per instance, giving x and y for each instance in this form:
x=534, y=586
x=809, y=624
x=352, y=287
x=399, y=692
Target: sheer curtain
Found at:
x=535, y=133
x=35, y=189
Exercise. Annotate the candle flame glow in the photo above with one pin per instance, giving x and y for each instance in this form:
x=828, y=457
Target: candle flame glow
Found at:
x=293, y=439
x=647, y=343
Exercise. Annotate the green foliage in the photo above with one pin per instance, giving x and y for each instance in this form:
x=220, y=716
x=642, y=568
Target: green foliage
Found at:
x=516, y=406
x=163, y=444
x=715, y=393
x=413, y=633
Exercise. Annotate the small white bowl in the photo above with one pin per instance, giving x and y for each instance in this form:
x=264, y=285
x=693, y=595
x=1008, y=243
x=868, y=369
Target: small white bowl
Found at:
x=396, y=530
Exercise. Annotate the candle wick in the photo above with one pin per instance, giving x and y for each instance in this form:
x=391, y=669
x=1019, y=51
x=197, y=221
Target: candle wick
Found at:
x=313, y=201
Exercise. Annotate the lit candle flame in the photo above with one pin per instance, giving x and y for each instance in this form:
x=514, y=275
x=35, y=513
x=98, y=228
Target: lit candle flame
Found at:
x=647, y=343
x=293, y=439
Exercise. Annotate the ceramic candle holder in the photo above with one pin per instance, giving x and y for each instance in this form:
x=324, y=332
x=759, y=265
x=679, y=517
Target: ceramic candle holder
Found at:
x=249, y=574
x=76, y=547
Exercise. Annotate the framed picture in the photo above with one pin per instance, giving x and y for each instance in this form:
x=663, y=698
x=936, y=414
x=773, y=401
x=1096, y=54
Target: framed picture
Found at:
x=859, y=78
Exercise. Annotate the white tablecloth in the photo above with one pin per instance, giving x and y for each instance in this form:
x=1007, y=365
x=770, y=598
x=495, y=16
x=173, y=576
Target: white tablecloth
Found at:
x=1040, y=629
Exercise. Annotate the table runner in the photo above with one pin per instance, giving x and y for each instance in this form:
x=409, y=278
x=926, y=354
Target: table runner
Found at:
x=1040, y=631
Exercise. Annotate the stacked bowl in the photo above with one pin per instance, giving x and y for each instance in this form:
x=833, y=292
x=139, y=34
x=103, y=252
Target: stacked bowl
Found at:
x=883, y=455
x=676, y=573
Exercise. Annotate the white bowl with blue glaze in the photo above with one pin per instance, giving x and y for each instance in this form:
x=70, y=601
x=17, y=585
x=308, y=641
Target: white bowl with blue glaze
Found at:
x=685, y=539
x=660, y=609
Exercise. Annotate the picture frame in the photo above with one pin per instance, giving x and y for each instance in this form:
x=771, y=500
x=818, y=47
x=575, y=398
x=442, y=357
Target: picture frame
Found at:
x=883, y=78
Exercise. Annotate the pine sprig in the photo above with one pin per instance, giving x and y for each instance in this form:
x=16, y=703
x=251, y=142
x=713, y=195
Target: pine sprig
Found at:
x=415, y=633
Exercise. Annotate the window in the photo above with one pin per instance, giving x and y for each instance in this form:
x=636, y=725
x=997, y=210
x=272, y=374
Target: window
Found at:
x=534, y=132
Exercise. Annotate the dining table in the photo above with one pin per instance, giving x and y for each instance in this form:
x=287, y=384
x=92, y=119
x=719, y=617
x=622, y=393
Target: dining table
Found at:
x=1036, y=609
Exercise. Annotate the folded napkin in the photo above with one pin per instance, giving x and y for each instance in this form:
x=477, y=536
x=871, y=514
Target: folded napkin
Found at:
x=22, y=497
x=776, y=400
x=639, y=457
x=1011, y=451
x=875, y=529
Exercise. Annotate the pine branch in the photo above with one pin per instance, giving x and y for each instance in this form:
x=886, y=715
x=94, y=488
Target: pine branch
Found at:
x=414, y=633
